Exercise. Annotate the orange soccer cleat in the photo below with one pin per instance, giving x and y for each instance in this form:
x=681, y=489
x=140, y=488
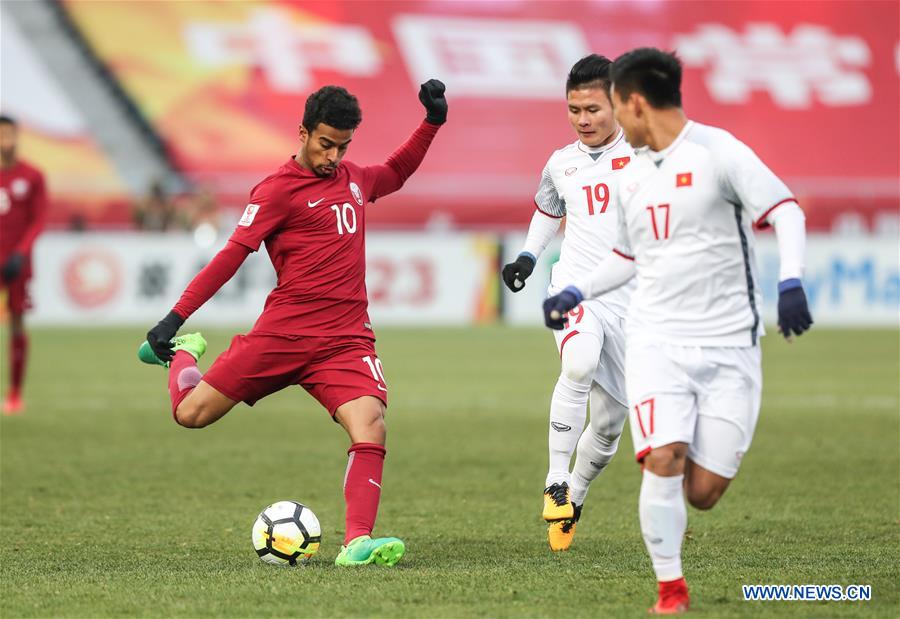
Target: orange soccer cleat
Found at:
x=673, y=598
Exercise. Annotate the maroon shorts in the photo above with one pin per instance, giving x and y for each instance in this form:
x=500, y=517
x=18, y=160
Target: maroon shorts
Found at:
x=17, y=299
x=334, y=370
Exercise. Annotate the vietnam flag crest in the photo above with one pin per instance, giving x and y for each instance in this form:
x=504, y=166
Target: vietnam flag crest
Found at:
x=620, y=162
x=685, y=179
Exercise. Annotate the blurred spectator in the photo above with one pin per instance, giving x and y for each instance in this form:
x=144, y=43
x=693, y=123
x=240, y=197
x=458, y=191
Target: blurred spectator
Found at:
x=203, y=212
x=156, y=212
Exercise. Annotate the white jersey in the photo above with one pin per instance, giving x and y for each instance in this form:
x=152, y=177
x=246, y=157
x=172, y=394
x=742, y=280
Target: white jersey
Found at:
x=686, y=215
x=579, y=183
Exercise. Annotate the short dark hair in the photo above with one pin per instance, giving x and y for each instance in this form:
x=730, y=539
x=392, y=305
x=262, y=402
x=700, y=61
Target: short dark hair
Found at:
x=334, y=106
x=653, y=73
x=590, y=70
x=8, y=120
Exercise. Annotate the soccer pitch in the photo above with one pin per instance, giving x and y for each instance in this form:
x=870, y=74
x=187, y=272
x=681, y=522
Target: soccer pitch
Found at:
x=109, y=509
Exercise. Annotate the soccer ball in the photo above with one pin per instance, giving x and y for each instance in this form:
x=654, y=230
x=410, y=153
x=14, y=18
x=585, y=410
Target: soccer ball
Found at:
x=286, y=533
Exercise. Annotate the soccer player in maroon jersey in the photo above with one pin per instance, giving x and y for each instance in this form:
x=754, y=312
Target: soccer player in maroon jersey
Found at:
x=23, y=205
x=314, y=330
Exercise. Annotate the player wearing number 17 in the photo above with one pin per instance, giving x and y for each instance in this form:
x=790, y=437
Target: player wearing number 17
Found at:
x=314, y=330
x=687, y=203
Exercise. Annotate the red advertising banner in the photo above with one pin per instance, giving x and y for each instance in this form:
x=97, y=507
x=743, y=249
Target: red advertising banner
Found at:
x=811, y=86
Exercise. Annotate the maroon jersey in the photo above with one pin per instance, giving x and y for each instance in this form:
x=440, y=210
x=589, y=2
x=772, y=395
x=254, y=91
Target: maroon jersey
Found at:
x=23, y=205
x=314, y=230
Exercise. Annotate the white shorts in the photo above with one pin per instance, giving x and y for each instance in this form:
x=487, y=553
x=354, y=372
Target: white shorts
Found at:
x=707, y=397
x=593, y=317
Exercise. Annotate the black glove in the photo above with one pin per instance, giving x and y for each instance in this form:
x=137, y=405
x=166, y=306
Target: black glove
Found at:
x=793, y=310
x=515, y=273
x=161, y=335
x=556, y=307
x=431, y=94
x=13, y=266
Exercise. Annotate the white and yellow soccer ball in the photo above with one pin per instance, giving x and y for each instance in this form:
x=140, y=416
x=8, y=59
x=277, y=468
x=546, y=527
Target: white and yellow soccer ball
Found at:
x=286, y=533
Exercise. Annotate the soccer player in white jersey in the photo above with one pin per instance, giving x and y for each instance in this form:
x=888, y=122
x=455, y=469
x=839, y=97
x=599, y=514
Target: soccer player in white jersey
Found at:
x=687, y=202
x=578, y=184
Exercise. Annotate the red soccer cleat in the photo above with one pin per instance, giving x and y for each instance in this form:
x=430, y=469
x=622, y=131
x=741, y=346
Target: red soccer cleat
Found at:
x=673, y=598
x=13, y=404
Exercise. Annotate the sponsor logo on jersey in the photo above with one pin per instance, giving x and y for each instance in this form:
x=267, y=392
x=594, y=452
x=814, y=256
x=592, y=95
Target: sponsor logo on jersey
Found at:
x=560, y=427
x=684, y=179
x=357, y=194
x=311, y=204
x=19, y=187
x=249, y=214
x=620, y=162
x=571, y=171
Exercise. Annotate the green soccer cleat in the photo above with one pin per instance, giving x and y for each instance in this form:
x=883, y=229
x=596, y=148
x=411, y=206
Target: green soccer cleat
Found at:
x=364, y=550
x=191, y=343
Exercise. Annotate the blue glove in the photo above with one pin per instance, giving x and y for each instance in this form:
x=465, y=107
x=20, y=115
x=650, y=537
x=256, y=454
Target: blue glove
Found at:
x=557, y=306
x=793, y=310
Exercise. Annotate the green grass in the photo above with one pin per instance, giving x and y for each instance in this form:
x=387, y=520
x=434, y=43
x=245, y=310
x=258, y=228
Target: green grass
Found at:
x=109, y=509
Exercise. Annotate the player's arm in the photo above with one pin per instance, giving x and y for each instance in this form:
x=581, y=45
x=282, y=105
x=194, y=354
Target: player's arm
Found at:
x=37, y=215
x=550, y=208
x=769, y=202
x=263, y=216
x=793, y=308
x=612, y=272
x=540, y=232
x=201, y=289
x=390, y=176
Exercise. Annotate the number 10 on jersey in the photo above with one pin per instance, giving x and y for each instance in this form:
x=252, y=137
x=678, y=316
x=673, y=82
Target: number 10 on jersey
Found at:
x=346, y=218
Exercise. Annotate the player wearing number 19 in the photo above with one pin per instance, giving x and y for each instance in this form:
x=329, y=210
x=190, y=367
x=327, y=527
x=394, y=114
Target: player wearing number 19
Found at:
x=314, y=330
x=577, y=184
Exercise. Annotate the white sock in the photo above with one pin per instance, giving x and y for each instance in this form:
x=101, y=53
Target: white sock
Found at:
x=663, y=522
x=568, y=411
x=594, y=452
x=598, y=442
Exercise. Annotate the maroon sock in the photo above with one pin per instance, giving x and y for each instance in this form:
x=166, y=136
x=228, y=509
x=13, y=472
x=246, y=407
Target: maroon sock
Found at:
x=362, y=488
x=17, y=356
x=183, y=377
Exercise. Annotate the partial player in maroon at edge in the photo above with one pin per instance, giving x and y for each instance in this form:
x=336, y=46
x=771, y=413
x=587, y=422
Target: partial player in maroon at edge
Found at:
x=23, y=206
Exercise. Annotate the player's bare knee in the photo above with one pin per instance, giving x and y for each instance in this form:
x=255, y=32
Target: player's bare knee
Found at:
x=190, y=415
x=666, y=461
x=703, y=498
x=375, y=426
